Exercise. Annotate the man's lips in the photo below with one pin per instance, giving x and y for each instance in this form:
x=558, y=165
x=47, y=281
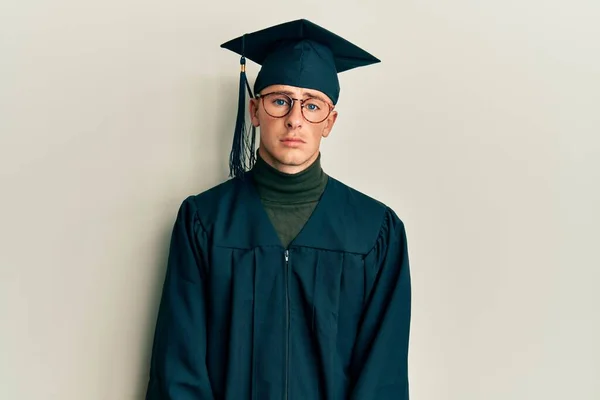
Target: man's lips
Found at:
x=292, y=142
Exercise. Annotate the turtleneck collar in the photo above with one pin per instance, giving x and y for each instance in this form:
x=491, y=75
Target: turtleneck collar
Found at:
x=275, y=186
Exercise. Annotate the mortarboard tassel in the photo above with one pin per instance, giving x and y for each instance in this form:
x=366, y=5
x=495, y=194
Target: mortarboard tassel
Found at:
x=242, y=155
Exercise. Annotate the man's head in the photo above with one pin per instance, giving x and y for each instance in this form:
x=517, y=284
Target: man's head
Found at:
x=300, y=60
x=292, y=122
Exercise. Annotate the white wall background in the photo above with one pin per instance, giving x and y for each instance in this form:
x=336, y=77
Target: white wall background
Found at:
x=480, y=128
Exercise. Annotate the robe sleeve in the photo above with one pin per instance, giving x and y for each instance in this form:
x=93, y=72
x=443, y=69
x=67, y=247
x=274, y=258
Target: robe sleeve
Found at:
x=178, y=363
x=379, y=366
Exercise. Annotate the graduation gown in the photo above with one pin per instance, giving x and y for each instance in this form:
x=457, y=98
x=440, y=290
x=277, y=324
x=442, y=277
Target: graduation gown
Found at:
x=242, y=317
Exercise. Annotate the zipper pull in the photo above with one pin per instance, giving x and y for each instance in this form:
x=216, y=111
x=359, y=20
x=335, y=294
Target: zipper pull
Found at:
x=287, y=256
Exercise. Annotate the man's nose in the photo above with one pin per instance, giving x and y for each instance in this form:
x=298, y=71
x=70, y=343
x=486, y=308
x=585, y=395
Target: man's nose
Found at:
x=294, y=119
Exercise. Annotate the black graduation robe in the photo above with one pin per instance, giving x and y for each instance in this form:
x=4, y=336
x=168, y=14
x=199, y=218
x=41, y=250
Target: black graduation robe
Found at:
x=241, y=317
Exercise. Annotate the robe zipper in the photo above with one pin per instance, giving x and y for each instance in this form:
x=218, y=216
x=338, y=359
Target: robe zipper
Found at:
x=287, y=323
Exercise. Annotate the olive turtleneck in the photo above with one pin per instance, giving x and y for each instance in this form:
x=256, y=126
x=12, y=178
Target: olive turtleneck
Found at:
x=289, y=199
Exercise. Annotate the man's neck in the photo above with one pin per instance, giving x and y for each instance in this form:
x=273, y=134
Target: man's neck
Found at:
x=277, y=186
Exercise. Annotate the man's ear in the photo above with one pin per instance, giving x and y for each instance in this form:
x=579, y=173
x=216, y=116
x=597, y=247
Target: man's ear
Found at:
x=253, y=109
x=329, y=122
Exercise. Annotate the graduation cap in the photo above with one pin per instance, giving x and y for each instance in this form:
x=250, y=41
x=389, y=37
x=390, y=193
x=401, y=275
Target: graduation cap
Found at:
x=297, y=53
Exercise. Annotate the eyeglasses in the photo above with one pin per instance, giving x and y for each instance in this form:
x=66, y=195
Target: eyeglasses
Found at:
x=278, y=105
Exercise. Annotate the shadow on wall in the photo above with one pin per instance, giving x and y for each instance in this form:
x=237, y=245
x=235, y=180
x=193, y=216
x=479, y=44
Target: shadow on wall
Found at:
x=211, y=103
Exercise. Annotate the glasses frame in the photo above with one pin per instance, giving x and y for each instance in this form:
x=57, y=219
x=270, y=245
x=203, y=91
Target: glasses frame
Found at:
x=293, y=101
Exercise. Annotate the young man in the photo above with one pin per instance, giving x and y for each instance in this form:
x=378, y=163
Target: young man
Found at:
x=284, y=283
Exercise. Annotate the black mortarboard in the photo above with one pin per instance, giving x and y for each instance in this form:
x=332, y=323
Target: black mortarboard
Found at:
x=297, y=53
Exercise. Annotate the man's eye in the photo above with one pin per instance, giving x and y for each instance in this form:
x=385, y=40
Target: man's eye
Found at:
x=280, y=102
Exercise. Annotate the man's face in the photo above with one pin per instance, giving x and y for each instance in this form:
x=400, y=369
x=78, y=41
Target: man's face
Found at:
x=290, y=143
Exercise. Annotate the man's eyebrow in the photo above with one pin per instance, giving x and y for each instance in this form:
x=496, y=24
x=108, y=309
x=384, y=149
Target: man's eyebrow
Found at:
x=306, y=94
x=316, y=96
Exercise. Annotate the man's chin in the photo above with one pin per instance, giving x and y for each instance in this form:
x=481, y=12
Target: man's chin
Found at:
x=291, y=158
x=290, y=162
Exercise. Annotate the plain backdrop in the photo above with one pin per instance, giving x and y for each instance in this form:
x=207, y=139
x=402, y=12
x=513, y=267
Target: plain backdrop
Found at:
x=480, y=128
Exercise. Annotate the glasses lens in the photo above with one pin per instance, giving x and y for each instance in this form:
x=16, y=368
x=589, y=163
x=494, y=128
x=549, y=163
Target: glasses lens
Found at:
x=315, y=110
x=277, y=104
